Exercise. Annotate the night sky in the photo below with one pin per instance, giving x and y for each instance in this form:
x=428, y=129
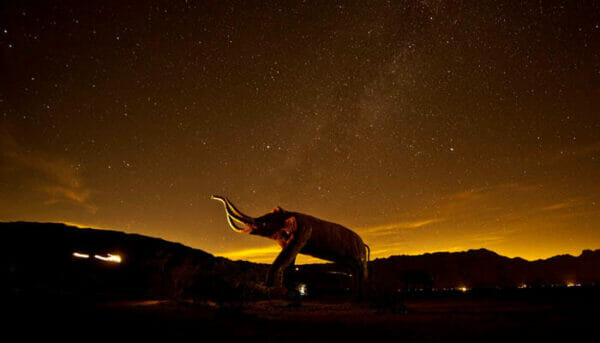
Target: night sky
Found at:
x=422, y=125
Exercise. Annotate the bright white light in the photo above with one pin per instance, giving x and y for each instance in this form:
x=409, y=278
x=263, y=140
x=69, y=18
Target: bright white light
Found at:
x=80, y=255
x=109, y=258
x=302, y=289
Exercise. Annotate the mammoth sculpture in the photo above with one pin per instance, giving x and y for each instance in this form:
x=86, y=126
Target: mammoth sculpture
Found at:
x=300, y=233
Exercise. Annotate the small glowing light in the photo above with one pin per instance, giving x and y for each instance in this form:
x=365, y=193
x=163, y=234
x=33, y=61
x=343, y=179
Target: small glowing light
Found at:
x=570, y=284
x=302, y=289
x=463, y=289
x=109, y=258
x=80, y=255
x=523, y=286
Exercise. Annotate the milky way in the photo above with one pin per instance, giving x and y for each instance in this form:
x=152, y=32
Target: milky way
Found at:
x=422, y=125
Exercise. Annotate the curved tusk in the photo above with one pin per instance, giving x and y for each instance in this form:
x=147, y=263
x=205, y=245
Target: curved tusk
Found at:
x=239, y=213
x=233, y=226
x=231, y=217
x=232, y=211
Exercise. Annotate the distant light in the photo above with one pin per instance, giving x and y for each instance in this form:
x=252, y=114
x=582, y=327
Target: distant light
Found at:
x=463, y=289
x=80, y=255
x=302, y=289
x=570, y=284
x=523, y=286
x=109, y=258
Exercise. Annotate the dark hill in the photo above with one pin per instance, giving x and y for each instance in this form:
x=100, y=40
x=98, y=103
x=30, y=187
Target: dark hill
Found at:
x=485, y=269
x=38, y=258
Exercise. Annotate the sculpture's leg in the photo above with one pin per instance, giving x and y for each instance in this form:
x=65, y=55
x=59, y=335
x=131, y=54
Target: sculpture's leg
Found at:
x=358, y=278
x=288, y=271
x=362, y=282
x=285, y=258
x=363, y=270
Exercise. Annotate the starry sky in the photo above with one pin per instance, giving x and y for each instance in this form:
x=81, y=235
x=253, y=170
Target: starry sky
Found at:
x=422, y=125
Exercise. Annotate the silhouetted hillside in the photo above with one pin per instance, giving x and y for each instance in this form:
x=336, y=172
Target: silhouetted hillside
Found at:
x=484, y=269
x=39, y=258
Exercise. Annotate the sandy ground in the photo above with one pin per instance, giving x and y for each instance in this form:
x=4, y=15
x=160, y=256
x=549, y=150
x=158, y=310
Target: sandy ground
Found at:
x=456, y=318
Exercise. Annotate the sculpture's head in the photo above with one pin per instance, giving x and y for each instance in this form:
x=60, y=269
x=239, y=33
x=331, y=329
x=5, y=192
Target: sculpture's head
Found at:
x=266, y=225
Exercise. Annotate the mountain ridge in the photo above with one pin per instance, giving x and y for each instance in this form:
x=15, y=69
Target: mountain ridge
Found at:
x=472, y=250
x=41, y=257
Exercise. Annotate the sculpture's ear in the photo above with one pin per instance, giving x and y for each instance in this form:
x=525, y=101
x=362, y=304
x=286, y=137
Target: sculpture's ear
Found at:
x=290, y=224
x=277, y=209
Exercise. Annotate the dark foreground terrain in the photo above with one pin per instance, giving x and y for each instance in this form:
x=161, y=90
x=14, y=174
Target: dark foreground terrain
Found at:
x=551, y=315
x=58, y=283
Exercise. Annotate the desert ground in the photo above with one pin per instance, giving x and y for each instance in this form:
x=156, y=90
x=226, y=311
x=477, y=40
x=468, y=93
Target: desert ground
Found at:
x=515, y=315
x=168, y=291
